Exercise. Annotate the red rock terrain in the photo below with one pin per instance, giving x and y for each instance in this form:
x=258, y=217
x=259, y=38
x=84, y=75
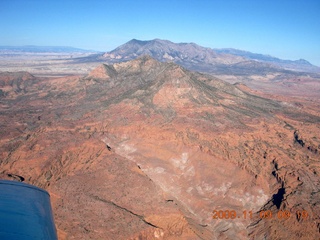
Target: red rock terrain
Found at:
x=149, y=150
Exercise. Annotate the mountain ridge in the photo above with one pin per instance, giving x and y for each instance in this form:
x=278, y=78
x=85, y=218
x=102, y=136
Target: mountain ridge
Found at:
x=135, y=45
x=302, y=64
x=274, y=77
x=193, y=55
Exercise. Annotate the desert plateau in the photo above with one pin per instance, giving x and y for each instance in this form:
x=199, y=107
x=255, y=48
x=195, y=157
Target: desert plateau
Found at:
x=158, y=140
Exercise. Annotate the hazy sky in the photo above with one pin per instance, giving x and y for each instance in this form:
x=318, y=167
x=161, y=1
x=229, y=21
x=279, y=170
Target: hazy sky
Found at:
x=288, y=29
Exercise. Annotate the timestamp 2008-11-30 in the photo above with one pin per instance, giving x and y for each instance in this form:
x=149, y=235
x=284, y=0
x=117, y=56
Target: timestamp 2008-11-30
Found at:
x=267, y=214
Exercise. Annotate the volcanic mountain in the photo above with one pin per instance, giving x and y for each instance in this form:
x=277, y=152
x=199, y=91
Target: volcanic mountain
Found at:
x=188, y=55
x=149, y=150
x=195, y=57
x=164, y=50
x=258, y=71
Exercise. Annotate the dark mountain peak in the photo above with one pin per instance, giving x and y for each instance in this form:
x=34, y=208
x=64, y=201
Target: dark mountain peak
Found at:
x=143, y=42
x=303, y=62
x=189, y=55
x=160, y=40
x=136, y=41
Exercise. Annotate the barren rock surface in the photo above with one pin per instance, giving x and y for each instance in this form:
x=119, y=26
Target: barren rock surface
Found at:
x=149, y=150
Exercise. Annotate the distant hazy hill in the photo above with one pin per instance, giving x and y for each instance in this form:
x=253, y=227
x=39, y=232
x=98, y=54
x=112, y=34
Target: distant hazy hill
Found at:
x=41, y=49
x=298, y=65
x=195, y=57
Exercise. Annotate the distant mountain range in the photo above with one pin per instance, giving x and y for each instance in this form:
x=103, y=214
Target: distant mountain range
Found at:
x=198, y=58
x=300, y=65
x=227, y=61
x=41, y=49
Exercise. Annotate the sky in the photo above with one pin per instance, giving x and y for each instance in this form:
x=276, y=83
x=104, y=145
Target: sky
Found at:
x=287, y=29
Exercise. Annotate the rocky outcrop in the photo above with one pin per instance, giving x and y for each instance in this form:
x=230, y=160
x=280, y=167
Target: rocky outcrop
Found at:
x=103, y=72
